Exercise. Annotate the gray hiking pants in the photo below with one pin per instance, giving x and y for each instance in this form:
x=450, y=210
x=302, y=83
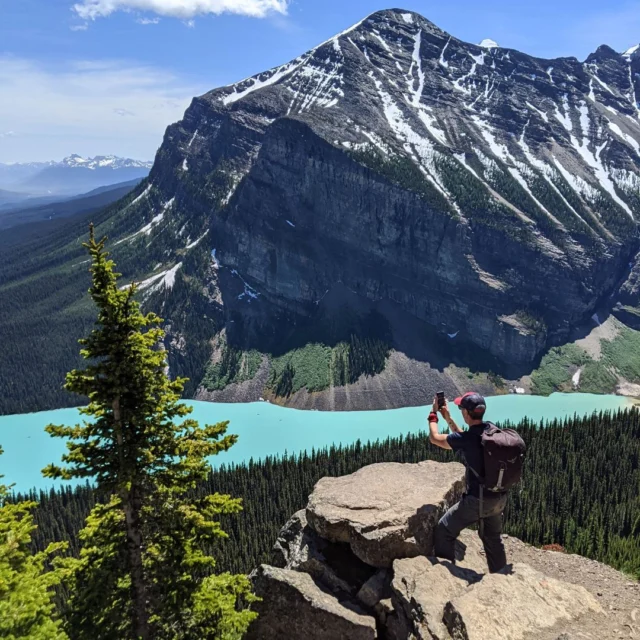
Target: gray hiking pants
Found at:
x=463, y=515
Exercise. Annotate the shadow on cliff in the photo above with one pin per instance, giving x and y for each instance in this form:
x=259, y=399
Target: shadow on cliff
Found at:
x=275, y=329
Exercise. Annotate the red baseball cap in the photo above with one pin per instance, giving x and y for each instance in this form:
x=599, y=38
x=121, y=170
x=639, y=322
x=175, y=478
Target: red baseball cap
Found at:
x=472, y=401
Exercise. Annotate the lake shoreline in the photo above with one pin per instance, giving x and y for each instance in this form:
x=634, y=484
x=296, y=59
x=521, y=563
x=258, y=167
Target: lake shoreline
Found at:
x=631, y=394
x=265, y=429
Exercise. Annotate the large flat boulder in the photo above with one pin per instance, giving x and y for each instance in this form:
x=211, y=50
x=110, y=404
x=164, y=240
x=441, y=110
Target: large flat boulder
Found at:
x=295, y=607
x=422, y=587
x=385, y=511
x=515, y=605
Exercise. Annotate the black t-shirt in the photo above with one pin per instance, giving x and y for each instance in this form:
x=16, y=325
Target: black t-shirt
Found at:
x=468, y=447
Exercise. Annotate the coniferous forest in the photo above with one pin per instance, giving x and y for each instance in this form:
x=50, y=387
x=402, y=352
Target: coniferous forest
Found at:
x=581, y=489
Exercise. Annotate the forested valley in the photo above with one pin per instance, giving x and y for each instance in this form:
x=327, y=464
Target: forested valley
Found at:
x=581, y=490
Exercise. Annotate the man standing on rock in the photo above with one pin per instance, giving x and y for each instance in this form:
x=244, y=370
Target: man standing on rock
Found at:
x=468, y=444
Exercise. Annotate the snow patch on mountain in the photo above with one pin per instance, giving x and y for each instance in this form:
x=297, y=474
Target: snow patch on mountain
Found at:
x=143, y=195
x=442, y=61
x=419, y=148
x=625, y=136
x=147, y=228
x=253, y=84
x=196, y=242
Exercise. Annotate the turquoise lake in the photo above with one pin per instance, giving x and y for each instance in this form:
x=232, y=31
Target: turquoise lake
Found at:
x=266, y=429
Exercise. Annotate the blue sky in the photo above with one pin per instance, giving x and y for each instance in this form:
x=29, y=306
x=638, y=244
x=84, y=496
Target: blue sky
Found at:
x=107, y=76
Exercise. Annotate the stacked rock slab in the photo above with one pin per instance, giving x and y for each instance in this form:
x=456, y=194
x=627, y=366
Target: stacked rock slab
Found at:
x=356, y=564
x=385, y=511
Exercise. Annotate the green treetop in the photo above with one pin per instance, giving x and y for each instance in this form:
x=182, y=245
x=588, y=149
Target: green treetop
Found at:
x=142, y=571
x=26, y=609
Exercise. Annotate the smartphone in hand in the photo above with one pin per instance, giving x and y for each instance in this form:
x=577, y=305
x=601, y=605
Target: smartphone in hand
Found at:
x=441, y=400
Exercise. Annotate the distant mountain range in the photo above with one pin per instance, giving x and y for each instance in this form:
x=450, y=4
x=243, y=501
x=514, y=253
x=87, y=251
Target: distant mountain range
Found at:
x=72, y=175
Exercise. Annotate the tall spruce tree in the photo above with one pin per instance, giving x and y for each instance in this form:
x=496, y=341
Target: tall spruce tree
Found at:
x=26, y=588
x=142, y=571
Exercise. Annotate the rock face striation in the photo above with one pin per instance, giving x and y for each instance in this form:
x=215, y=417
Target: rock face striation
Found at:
x=338, y=574
x=476, y=190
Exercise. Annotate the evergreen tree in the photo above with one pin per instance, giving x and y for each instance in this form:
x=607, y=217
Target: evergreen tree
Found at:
x=26, y=589
x=142, y=572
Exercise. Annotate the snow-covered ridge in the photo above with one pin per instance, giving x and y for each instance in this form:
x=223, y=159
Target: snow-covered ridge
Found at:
x=76, y=161
x=101, y=162
x=381, y=85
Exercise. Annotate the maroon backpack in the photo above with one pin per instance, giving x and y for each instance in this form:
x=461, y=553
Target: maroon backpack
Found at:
x=504, y=452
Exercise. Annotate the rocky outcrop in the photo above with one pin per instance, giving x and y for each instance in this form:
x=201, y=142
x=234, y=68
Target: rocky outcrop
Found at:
x=385, y=511
x=300, y=548
x=294, y=606
x=338, y=577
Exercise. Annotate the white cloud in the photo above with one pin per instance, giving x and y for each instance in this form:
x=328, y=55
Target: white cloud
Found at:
x=80, y=107
x=7, y=134
x=79, y=27
x=148, y=20
x=183, y=9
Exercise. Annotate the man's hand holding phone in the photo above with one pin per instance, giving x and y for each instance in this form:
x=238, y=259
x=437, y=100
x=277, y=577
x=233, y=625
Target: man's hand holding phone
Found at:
x=444, y=410
x=440, y=405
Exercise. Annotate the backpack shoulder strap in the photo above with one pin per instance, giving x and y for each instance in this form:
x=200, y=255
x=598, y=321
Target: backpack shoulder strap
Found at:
x=475, y=473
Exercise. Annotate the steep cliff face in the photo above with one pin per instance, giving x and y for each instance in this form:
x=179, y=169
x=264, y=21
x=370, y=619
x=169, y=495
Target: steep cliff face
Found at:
x=484, y=192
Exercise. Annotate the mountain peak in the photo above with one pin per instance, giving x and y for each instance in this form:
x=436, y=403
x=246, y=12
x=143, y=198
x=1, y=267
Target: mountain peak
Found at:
x=487, y=43
x=402, y=17
x=74, y=160
x=602, y=53
x=632, y=53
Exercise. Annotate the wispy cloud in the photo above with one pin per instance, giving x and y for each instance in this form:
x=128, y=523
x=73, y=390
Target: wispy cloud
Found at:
x=7, y=134
x=79, y=27
x=183, y=9
x=146, y=21
x=286, y=24
x=88, y=107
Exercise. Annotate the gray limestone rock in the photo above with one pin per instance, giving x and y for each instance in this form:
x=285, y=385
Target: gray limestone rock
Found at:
x=300, y=548
x=422, y=587
x=385, y=511
x=295, y=607
x=517, y=603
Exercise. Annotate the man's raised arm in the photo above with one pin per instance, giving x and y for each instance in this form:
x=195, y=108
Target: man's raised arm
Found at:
x=436, y=438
